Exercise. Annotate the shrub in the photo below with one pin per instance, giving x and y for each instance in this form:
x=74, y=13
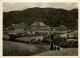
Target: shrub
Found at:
x=46, y=39
x=64, y=43
x=5, y=37
x=60, y=41
x=12, y=37
x=71, y=44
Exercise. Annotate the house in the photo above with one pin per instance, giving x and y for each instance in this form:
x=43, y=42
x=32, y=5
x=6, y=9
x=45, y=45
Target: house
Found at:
x=21, y=25
x=72, y=39
x=39, y=27
x=71, y=36
x=16, y=28
x=61, y=29
x=74, y=34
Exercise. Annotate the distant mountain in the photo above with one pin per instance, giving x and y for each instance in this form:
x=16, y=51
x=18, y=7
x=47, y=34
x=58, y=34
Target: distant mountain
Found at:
x=50, y=16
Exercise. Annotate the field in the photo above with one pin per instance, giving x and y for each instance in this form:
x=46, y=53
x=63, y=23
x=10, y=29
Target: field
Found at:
x=28, y=38
x=22, y=49
x=62, y=52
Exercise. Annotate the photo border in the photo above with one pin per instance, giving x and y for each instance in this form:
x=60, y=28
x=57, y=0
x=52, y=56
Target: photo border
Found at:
x=37, y=1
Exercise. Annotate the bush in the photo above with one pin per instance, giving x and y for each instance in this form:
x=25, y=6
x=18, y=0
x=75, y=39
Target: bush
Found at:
x=71, y=44
x=12, y=37
x=46, y=39
x=60, y=41
x=5, y=37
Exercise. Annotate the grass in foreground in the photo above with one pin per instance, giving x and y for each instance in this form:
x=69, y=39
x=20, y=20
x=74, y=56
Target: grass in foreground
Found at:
x=22, y=49
x=62, y=52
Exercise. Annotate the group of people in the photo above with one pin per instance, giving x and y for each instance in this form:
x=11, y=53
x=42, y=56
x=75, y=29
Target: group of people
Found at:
x=52, y=47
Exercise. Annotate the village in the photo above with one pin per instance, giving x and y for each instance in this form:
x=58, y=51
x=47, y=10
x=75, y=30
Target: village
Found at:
x=38, y=31
x=39, y=34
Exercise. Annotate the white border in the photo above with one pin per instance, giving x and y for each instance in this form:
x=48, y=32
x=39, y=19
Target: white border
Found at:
x=79, y=28
x=1, y=28
x=52, y=1
x=40, y=0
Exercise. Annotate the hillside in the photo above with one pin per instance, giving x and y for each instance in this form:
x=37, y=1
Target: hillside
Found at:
x=49, y=16
x=22, y=49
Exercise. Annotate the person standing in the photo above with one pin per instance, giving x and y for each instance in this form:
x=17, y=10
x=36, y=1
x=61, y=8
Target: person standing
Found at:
x=51, y=43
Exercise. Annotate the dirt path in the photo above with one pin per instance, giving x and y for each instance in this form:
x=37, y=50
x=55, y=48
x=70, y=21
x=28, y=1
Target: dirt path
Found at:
x=62, y=52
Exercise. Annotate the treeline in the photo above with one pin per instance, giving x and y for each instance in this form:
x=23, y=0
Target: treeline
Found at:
x=49, y=16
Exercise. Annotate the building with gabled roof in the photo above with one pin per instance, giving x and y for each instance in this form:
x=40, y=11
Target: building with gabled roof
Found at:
x=39, y=26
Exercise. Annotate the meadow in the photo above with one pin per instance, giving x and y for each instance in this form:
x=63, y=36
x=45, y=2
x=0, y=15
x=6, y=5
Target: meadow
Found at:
x=22, y=49
x=25, y=39
x=62, y=52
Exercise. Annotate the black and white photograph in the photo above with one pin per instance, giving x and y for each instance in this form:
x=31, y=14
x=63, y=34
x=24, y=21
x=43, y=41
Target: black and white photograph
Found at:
x=40, y=29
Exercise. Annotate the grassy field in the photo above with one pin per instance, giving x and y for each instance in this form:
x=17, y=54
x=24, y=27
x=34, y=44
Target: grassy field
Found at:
x=22, y=49
x=62, y=52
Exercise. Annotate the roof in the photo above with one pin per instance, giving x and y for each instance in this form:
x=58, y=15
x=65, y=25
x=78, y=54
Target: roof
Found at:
x=63, y=27
x=38, y=24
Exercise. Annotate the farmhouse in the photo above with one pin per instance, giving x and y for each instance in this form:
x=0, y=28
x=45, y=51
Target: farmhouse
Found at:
x=61, y=29
x=71, y=36
x=21, y=25
x=16, y=28
x=40, y=27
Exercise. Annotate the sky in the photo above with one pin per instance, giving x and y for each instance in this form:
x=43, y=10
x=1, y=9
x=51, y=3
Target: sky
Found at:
x=22, y=6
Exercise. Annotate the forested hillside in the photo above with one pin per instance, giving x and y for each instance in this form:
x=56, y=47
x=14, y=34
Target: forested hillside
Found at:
x=50, y=16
